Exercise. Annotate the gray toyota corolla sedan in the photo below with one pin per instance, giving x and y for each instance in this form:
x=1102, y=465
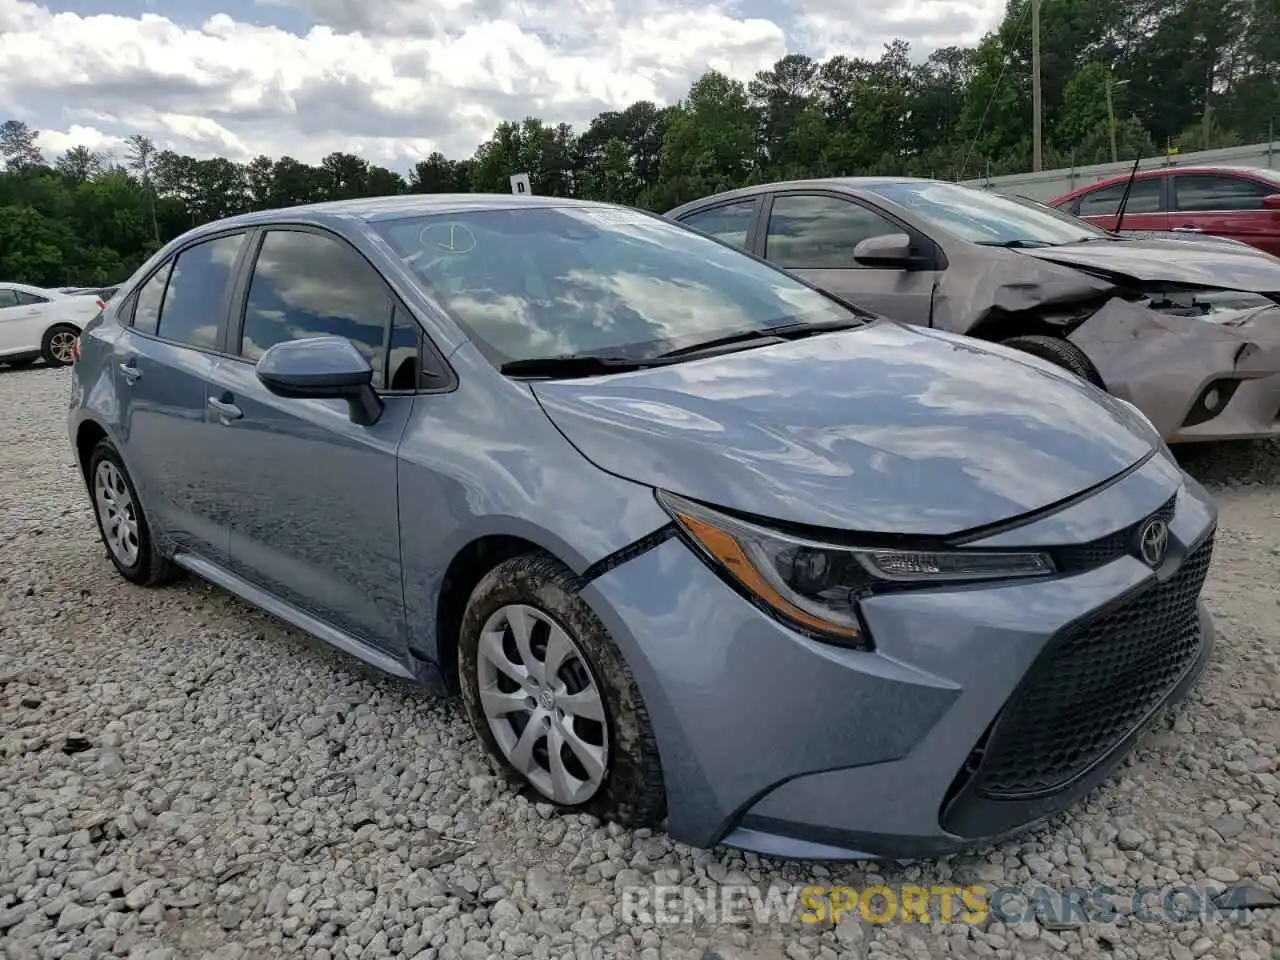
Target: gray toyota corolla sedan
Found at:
x=697, y=544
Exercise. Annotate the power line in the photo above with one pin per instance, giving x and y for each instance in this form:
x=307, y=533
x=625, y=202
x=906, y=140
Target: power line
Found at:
x=1004, y=68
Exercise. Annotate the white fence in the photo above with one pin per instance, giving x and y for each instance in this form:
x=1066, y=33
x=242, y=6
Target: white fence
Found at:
x=1048, y=184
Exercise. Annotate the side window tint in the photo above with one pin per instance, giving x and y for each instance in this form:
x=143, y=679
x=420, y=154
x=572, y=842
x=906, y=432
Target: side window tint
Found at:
x=194, y=300
x=820, y=232
x=28, y=299
x=8, y=298
x=730, y=223
x=308, y=285
x=1145, y=197
x=1205, y=192
x=403, y=368
x=146, y=306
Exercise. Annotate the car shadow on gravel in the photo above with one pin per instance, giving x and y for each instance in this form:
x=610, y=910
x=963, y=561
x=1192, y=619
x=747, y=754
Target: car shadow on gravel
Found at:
x=1232, y=463
x=6, y=368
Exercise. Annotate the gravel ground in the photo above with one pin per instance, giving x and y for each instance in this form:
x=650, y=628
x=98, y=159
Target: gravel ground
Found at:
x=181, y=776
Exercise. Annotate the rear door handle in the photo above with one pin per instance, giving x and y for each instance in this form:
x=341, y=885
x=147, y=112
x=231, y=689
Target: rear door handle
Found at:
x=1187, y=230
x=227, y=411
x=130, y=373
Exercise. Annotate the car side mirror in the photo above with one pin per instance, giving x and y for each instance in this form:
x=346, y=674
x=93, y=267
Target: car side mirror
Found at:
x=322, y=368
x=890, y=251
x=1271, y=202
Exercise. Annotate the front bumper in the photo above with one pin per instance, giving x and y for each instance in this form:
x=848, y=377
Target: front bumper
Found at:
x=776, y=743
x=1164, y=364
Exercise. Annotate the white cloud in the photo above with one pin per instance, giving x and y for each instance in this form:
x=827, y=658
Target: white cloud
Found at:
x=394, y=79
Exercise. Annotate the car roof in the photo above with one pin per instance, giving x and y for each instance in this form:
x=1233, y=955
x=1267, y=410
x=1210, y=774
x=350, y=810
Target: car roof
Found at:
x=848, y=184
x=1263, y=172
x=28, y=288
x=373, y=209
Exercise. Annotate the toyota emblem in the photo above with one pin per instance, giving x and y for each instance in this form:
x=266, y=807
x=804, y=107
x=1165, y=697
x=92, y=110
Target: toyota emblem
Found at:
x=1153, y=541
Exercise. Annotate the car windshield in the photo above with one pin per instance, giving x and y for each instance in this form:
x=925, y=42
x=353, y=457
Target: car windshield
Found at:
x=987, y=218
x=556, y=281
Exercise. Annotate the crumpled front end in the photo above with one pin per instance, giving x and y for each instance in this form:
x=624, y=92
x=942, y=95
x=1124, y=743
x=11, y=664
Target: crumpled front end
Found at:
x=1203, y=368
x=1189, y=333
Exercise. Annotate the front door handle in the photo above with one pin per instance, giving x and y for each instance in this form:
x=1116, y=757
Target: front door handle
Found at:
x=130, y=373
x=227, y=411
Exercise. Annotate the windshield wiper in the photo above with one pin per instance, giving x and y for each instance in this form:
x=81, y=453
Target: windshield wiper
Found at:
x=782, y=331
x=588, y=365
x=1013, y=244
x=572, y=365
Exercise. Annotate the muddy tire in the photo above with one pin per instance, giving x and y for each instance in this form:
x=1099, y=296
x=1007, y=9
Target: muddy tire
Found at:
x=1059, y=352
x=121, y=521
x=552, y=700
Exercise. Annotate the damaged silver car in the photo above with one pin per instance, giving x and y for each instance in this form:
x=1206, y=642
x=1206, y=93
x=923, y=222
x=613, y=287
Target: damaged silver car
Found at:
x=1188, y=332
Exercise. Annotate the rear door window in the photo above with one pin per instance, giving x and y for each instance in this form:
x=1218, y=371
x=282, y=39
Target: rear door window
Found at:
x=195, y=299
x=146, y=306
x=1196, y=192
x=730, y=222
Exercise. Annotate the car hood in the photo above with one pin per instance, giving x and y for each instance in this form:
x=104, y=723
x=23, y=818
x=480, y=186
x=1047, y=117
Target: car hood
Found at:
x=883, y=428
x=1151, y=260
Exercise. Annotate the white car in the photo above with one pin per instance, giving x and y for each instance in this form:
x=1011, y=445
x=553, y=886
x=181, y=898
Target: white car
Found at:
x=37, y=323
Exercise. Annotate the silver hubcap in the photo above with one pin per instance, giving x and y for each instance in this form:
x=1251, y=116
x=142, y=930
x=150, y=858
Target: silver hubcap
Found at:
x=542, y=704
x=60, y=345
x=117, y=512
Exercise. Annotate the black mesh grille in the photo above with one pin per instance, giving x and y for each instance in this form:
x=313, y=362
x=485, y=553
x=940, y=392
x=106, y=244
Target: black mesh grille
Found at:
x=1091, y=688
x=1095, y=553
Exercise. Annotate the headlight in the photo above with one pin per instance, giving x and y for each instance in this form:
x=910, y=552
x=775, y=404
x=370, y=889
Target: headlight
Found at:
x=816, y=586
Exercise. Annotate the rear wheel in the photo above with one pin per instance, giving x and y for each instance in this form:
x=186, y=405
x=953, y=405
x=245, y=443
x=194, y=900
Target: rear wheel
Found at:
x=122, y=523
x=58, y=345
x=551, y=698
x=1058, y=352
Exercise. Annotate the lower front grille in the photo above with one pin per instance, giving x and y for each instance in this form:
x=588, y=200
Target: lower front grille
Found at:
x=1097, y=680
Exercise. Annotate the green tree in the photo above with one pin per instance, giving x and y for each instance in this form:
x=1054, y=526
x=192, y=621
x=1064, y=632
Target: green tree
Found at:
x=1185, y=72
x=19, y=146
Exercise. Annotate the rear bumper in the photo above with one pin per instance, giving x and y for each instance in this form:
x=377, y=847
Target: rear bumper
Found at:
x=776, y=743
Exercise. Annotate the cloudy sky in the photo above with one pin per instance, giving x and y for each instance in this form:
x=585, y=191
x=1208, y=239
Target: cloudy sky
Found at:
x=394, y=79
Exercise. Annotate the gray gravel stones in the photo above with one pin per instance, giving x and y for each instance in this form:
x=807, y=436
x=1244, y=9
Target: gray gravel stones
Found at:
x=183, y=777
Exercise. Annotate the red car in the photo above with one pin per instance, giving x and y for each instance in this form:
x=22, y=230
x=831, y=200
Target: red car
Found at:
x=1240, y=203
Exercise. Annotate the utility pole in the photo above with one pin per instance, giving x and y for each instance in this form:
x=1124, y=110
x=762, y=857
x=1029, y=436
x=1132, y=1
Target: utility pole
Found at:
x=1036, y=106
x=1111, y=121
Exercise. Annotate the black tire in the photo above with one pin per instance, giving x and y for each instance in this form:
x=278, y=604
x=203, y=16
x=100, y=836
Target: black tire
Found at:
x=47, y=343
x=632, y=792
x=150, y=569
x=1058, y=352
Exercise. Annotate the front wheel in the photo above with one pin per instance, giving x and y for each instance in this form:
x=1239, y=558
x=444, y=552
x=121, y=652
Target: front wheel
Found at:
x=121, y=522
x=551, y=698
x=1059, y=352
x=58, y=348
